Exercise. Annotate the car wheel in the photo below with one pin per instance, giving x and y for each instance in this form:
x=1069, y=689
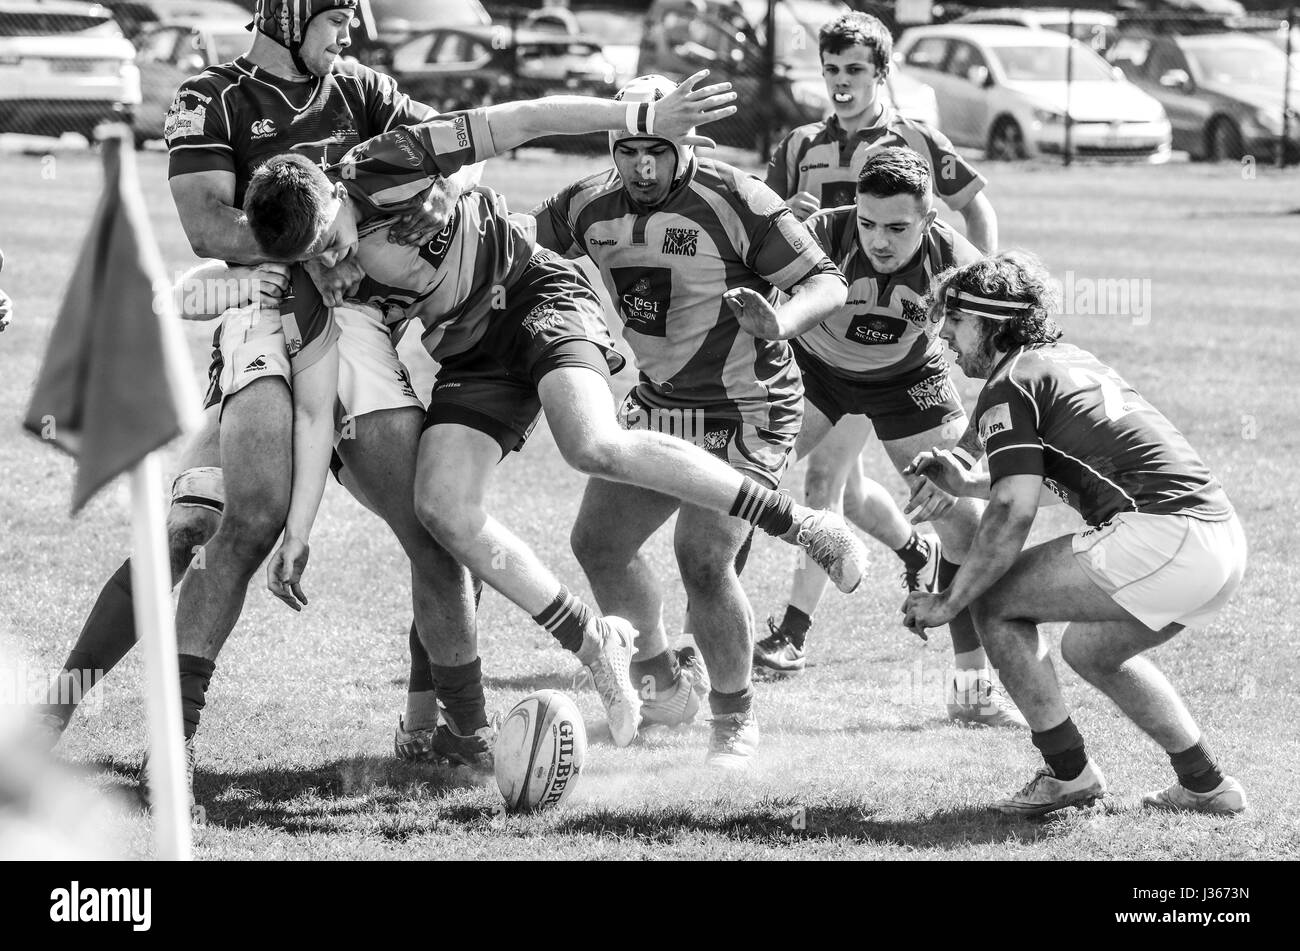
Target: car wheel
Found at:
x=1223, y=141
x=1007, y=141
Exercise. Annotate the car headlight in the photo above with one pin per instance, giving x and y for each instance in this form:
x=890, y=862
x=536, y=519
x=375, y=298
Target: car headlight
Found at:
x=1048, y=116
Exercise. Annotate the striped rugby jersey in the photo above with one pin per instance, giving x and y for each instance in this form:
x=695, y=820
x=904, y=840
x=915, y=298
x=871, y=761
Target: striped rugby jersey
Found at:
x=1056, y=411
x=666, y=270
x=821, y=159
x=452, y=284
x=235, y=116
x=881, y=331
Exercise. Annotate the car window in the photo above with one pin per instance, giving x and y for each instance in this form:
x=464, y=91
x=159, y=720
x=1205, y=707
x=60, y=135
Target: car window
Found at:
x=928, y=53
x=1049, y=63
x=1164, y=58
x=1130, y=54
x=158, y=46
x=963, y=60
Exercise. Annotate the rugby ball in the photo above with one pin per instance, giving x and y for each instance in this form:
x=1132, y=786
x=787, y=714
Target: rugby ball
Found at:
x=539, y=751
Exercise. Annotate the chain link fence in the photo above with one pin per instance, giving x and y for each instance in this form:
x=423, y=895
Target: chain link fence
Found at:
x=1227, y=85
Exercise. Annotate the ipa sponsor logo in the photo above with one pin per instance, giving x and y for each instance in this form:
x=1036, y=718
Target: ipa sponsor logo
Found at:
x=77, y=904
x=996, y=419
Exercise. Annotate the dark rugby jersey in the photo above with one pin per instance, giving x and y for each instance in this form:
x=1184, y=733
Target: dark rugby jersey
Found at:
x=666, y=270
x=881, y=331
x=233, y=117
x=1057, y=411
x=821, y=159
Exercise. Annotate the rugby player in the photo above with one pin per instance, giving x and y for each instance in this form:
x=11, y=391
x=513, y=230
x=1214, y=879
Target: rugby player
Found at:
x=686, y=247
x=890, y=245
x=516, y=330
x=1162, y=549
x=818, y=166
x=289, y=91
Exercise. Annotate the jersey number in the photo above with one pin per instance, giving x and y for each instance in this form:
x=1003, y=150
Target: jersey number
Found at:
x=1112, y=398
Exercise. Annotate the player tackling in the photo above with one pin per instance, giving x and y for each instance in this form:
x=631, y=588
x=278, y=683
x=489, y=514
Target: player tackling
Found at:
x=1162, y=550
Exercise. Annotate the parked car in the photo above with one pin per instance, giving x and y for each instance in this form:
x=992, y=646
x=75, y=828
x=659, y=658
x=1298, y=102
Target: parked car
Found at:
x=619, y=32
x=64, y=67
x=1223, y=91
x=727, y=37
x=170, y=53
x=399, y=20
x=1003, y=89
x=136, y=16
x=471, y=66
x=1094, y=27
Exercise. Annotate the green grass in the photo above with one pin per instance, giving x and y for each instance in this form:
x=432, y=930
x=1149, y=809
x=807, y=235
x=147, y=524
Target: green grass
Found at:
x=295, y=756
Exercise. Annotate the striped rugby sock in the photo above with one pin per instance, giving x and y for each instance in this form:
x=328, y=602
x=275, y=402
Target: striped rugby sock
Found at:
x=565, y=619
x=764, y=508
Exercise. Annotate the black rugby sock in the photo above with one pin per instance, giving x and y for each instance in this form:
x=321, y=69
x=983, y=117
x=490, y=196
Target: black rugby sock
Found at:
x=767, y=509
x=566, y=618
x=1196, y=768
x=915, y=553
x=460, y=689
x=795, y=625
x=196, y=674
x=961, y=628
x=724, y=703
x=1062, y=749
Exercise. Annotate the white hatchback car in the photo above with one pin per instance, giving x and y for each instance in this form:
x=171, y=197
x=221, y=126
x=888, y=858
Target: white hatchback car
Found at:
x=1003, y=89
x=64, y=67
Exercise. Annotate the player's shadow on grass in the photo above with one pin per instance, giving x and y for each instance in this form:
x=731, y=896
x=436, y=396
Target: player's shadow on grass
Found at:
x=370, y=793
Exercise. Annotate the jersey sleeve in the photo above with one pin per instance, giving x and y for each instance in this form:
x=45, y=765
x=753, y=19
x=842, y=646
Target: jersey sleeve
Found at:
x=953, y=179
x=1007, y=417
x=556, y=229
x=822, y=227
x=196, y=130
x=387, y=107
x=389, y=174
x=308, y=324
x=779, y=178
x=780, y=249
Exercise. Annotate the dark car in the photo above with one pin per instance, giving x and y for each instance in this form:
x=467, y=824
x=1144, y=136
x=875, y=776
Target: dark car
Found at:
x=1223, y=92
x=460, y=68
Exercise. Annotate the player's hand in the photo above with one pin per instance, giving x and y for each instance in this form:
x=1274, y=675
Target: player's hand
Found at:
x=804, y=205
x=753, y=312
x=686, y=107
x=284, y=572
x=6, y=310
x=927, y=501
x=924, y=610
x=336, y=283
x=941, y=467
x=270, y=282
x=423, y=225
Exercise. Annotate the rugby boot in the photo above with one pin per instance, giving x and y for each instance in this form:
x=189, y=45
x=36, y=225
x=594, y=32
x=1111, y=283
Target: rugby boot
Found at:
x=1227, y=799
x=1045, y=793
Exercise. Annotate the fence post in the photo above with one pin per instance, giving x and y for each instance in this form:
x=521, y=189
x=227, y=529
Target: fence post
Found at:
x=1286, y=91
x=1069, y=87
x=769, y=83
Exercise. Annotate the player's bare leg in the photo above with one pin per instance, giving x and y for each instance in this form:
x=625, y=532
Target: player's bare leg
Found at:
x=1047, y=584
x=109, y=631
x=380, y=459
x=452, y=475
x=972, y=696
x=256, y=457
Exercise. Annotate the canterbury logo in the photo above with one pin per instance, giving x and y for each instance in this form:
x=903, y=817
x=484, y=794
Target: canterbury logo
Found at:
x=263, y=127
x=258, y=364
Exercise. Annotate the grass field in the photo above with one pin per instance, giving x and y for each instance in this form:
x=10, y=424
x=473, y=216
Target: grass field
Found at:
x=857, y=759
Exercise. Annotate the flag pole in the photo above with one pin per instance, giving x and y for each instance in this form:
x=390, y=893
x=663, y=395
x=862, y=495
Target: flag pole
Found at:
x=155, y=625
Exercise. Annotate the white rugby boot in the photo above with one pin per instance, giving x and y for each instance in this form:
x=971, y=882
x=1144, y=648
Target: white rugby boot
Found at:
x=981, y=703
x=413, y=746
x=1227, y=799
x=606, y=652
x=832, y=545
x=734, y=741
x=1045, y=793
x=680, y=704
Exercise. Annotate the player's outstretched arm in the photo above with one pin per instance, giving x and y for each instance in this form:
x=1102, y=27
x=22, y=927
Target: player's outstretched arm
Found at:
x=214, y=226
x=672, y=117
x=812, y=300
x=314, y=390
x=981, y=223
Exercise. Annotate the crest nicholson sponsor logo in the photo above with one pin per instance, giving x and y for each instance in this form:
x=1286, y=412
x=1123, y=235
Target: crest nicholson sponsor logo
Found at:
x=875, y=329
x=644, y=294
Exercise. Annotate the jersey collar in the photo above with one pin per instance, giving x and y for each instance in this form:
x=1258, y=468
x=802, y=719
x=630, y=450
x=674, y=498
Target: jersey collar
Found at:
x=866, y=133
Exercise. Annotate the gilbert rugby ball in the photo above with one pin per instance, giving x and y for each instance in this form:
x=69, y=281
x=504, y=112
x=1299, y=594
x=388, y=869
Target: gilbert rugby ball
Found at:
x=539, y=752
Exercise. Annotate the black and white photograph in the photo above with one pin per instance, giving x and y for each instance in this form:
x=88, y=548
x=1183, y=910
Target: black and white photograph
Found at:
x=658, y=430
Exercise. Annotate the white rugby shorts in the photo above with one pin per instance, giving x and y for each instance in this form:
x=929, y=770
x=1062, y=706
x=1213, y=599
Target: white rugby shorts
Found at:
x=1164, y=569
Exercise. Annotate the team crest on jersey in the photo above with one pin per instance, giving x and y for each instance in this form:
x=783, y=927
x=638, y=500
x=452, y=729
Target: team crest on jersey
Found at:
x=540, y=319
x=914, y=313
x=716, y=440
x=996, y=419
x=933, y=391
x=184, y=121
x=643, y=297
x=681, y=241
x=875, y=329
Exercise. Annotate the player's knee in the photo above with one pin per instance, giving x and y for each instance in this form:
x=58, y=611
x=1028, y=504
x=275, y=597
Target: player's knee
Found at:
x=590, y=545
x=596, y=457
x=988, y=616
x=251, y=534
x=819, y=487
x=445, y=516
x=188, y=529
x=706, y=569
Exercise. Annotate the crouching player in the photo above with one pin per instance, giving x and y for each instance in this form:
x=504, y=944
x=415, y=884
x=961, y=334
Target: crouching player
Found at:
x=1163, y=549
x=516, y=330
